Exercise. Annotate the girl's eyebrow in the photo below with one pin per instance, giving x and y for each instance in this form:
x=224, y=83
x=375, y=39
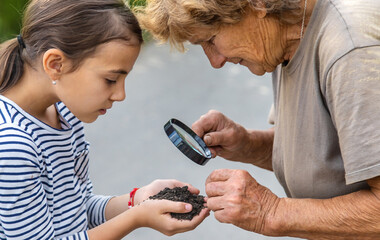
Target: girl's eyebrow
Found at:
x=119, y=71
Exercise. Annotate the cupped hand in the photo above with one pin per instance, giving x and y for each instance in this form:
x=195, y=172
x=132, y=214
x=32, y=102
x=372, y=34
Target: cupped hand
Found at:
x=224, y=137
x=236, y=198
x=156, y=214
x=156, y=186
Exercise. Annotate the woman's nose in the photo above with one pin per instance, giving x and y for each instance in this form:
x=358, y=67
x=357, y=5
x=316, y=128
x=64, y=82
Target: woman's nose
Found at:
x=216, y=59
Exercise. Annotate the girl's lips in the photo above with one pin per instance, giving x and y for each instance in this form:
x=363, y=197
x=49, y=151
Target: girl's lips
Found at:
x=103, y=111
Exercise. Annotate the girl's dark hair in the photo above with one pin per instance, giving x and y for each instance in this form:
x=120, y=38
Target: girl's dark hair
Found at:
x=76, y=27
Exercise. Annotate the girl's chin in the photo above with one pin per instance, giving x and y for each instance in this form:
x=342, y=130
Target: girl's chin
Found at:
x=88, y=119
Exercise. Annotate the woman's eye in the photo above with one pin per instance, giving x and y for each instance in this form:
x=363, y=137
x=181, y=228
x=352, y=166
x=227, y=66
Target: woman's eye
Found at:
x=212, y=40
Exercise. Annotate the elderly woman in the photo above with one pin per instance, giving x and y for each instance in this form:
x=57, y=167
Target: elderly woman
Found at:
x=325, y=144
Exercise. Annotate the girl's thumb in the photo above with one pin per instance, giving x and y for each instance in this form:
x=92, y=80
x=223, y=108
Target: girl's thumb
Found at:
x=179, y=207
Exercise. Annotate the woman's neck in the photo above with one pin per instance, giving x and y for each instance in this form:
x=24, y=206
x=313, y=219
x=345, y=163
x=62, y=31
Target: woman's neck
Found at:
x=292, y=34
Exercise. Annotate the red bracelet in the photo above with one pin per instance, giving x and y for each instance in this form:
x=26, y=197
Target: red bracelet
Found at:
x=132, y=197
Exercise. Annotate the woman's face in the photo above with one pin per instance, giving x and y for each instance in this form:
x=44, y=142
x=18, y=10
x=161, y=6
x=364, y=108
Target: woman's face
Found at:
x=100, y=80
x=254, y=42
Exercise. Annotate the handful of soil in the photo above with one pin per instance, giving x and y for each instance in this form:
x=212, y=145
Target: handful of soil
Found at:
x=182, y=194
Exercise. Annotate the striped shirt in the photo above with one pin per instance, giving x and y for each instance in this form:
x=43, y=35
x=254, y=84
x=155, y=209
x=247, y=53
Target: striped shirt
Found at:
x=45, y=191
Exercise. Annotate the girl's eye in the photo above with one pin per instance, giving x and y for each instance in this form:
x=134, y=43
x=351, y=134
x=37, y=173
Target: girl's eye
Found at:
x=109, y=81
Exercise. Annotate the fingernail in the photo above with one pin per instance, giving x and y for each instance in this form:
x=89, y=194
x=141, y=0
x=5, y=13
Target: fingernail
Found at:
x=207, y=139
x=188, y=207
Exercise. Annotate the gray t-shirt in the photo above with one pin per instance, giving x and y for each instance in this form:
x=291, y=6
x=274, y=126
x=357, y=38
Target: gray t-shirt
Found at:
x=327, y=103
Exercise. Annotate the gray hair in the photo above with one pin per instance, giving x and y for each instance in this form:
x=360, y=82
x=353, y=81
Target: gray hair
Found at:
x=176, y=20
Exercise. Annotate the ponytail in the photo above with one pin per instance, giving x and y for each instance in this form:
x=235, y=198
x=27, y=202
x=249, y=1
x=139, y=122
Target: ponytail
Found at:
x=76, y=27
x=11, y=64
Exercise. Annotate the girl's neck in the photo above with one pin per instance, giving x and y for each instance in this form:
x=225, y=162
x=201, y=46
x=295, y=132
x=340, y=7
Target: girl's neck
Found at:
x=35, y=95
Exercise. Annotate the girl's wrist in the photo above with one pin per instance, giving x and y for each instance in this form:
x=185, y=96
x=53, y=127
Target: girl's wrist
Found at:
x=131, y=202
x=139, y=218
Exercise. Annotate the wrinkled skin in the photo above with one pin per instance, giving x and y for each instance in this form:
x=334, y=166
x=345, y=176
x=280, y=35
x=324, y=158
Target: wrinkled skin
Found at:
x=236, y=198
x=229, y=140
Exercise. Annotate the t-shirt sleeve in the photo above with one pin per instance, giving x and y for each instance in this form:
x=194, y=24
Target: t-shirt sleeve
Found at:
x=24, y=213
x=271, y=115
x=96, y=206
x=353, y=99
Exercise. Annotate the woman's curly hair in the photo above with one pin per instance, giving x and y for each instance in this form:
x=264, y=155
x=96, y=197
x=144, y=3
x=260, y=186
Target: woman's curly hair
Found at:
x=175, y=21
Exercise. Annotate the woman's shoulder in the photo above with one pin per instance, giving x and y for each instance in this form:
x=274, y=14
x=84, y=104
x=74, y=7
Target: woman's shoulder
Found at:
x=358, y=20
x=342, y=26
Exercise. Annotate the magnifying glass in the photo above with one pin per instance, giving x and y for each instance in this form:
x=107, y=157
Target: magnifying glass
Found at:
x=187, y=141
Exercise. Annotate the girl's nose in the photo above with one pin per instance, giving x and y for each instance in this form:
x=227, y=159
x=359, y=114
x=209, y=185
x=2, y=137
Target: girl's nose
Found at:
x=119, y=93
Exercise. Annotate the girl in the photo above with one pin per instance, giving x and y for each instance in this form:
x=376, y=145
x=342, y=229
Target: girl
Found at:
x=69, y=66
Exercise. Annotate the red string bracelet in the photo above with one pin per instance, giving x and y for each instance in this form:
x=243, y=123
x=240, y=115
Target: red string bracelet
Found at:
x=132, y=197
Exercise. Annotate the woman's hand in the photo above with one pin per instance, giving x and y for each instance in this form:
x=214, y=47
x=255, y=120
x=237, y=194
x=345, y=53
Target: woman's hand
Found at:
x=156, y=214
x=158, y=185
x=224, y=137
x=236, y=198
x=231, y=141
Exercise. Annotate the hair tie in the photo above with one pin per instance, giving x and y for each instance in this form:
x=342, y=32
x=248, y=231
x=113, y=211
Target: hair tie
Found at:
x=21, y=42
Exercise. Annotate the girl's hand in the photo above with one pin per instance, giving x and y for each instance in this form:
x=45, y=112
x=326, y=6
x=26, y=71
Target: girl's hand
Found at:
x=155, y=214
x=158, y=185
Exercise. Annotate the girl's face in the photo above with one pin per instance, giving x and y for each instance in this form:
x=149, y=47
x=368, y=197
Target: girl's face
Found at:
x=91, y=90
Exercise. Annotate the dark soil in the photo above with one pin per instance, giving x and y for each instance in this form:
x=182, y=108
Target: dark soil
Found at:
x=182, y=194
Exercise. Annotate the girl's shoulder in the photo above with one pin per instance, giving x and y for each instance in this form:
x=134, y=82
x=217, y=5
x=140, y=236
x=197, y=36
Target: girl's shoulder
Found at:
x=10, y=117
x=16, y=142
x=13, y=127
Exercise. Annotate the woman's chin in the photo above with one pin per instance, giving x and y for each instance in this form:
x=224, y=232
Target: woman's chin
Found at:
x=258, y=72
x=253, y=69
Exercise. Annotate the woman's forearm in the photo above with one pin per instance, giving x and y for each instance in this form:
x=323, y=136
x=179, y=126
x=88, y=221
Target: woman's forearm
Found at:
x=352, y=216
x=260, y=149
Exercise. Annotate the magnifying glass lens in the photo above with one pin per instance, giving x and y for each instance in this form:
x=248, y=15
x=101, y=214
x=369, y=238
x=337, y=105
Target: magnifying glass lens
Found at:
x=187, y=141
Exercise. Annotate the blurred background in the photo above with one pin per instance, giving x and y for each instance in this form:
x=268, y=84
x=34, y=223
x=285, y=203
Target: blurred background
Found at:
x=129, y=147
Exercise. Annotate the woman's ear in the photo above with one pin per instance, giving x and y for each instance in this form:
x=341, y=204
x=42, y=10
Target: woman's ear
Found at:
x=53, y=62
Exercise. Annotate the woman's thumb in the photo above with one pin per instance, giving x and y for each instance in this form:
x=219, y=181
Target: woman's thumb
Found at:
x=214, y=138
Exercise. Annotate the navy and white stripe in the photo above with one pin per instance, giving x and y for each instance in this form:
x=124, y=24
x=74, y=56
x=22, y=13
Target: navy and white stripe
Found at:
x=45, y=191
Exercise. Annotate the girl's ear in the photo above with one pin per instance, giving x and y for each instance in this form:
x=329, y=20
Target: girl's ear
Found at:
x=53, y=62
